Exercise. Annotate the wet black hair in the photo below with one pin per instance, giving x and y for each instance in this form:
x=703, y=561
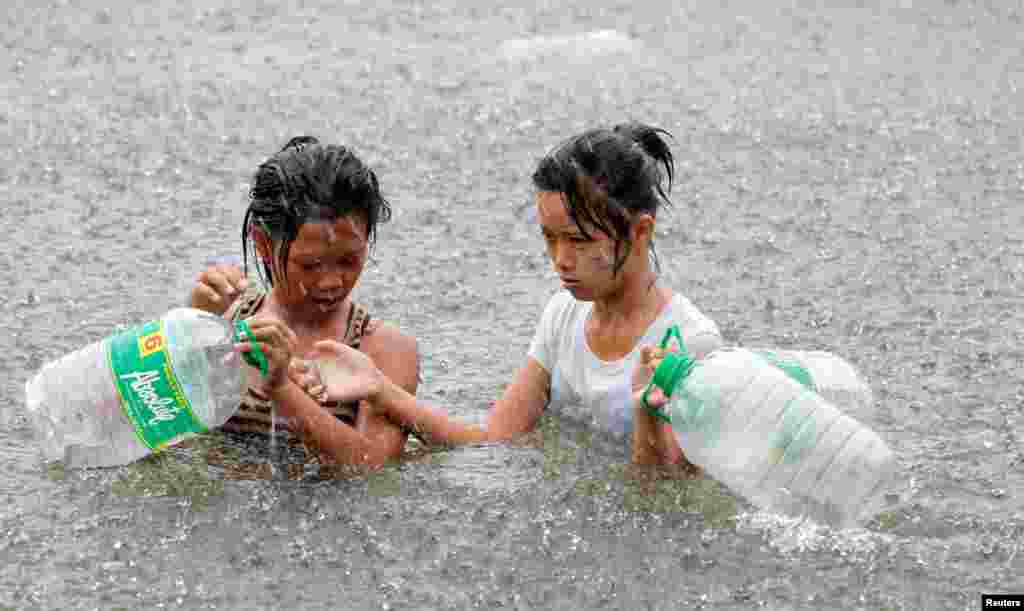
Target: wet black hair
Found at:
x=608, y=175
x=309, y=182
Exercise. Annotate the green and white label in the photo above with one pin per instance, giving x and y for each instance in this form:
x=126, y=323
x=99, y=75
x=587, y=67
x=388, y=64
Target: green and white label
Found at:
x=150, y=393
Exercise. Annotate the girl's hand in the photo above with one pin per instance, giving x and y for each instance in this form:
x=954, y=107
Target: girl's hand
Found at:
x=345, y=373
x=278, y=343
x=650, y=358
x=306, y=375
x=217, y=287
x=654, y=441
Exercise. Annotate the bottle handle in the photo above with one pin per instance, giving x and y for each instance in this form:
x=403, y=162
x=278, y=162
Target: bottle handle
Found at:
x=254, y=357
x=665, y=376
x=671, y=332
x=653, y=410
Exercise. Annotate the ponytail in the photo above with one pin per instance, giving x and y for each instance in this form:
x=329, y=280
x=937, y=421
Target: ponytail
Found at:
x=298, y=143
x=649, y=139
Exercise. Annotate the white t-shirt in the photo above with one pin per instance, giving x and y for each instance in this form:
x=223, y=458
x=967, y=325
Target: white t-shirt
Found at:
x=598, y=393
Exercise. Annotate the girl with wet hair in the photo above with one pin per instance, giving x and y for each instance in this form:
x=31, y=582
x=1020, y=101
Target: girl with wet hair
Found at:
x=306, y=182
x=310, y=225
x=598, y=196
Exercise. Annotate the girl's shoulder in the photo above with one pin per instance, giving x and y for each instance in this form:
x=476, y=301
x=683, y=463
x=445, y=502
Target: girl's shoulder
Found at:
x=381, y=335
x=562, y=308
x=395, y=353
x=379, y=338
x=684, y=311
x=699, y=331
x=563, y=303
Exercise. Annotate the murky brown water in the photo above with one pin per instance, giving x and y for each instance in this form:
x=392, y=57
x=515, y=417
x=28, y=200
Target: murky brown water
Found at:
x=851, y=178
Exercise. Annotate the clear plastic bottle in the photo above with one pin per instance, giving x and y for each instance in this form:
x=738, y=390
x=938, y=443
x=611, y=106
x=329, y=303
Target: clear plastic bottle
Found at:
x=772, y=439
x=138, y=391
x=827, y=374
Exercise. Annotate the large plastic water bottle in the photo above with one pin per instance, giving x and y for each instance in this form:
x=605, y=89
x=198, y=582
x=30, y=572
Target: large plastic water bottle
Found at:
x=772, y=439
x=140, y=390
x=827, y=374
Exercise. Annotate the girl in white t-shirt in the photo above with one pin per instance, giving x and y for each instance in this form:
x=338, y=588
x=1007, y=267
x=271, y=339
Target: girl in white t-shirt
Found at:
x=598, y=197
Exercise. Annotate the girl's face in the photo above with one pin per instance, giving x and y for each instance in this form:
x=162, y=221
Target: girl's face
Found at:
x=585, y=266
x=324, y=263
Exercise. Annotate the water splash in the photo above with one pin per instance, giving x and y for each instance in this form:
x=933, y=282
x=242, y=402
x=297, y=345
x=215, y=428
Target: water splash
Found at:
x=795, y=536
x=582, y=46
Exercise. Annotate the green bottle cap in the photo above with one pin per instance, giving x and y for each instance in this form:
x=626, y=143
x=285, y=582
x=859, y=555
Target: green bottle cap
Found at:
x=673, y=368
x=254, y=357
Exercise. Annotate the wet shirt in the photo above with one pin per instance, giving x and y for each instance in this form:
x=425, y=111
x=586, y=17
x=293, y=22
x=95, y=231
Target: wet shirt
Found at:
x=595, y=392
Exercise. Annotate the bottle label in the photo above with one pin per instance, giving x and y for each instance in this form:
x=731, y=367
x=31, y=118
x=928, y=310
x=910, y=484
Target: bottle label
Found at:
x=151, y=395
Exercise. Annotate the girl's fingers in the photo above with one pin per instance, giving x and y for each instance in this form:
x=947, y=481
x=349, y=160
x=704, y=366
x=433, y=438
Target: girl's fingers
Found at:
x=656, y=398
x=318, y=392
x=273, y=332
x=226, y=282
x=245, y=346
x=205, y=295
x=650, y=356
x=274, y=341
x=234, y=277
x=308, y=381
x=220, y=283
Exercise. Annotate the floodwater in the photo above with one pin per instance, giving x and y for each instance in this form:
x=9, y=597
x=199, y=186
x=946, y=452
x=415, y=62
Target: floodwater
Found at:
x=850, y=178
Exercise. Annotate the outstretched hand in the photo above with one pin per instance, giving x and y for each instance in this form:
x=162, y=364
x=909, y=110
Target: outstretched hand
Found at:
x=337, y=372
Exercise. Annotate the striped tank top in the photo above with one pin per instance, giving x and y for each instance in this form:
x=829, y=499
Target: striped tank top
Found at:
x=254, y=413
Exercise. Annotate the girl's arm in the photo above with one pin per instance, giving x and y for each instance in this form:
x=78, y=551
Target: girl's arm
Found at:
x=431, y=423
x=515, y=412
x=333, y=437
x=646, y=437
x=654, y=443
x=518, y=410
x=397, y=357
x=376, y=440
